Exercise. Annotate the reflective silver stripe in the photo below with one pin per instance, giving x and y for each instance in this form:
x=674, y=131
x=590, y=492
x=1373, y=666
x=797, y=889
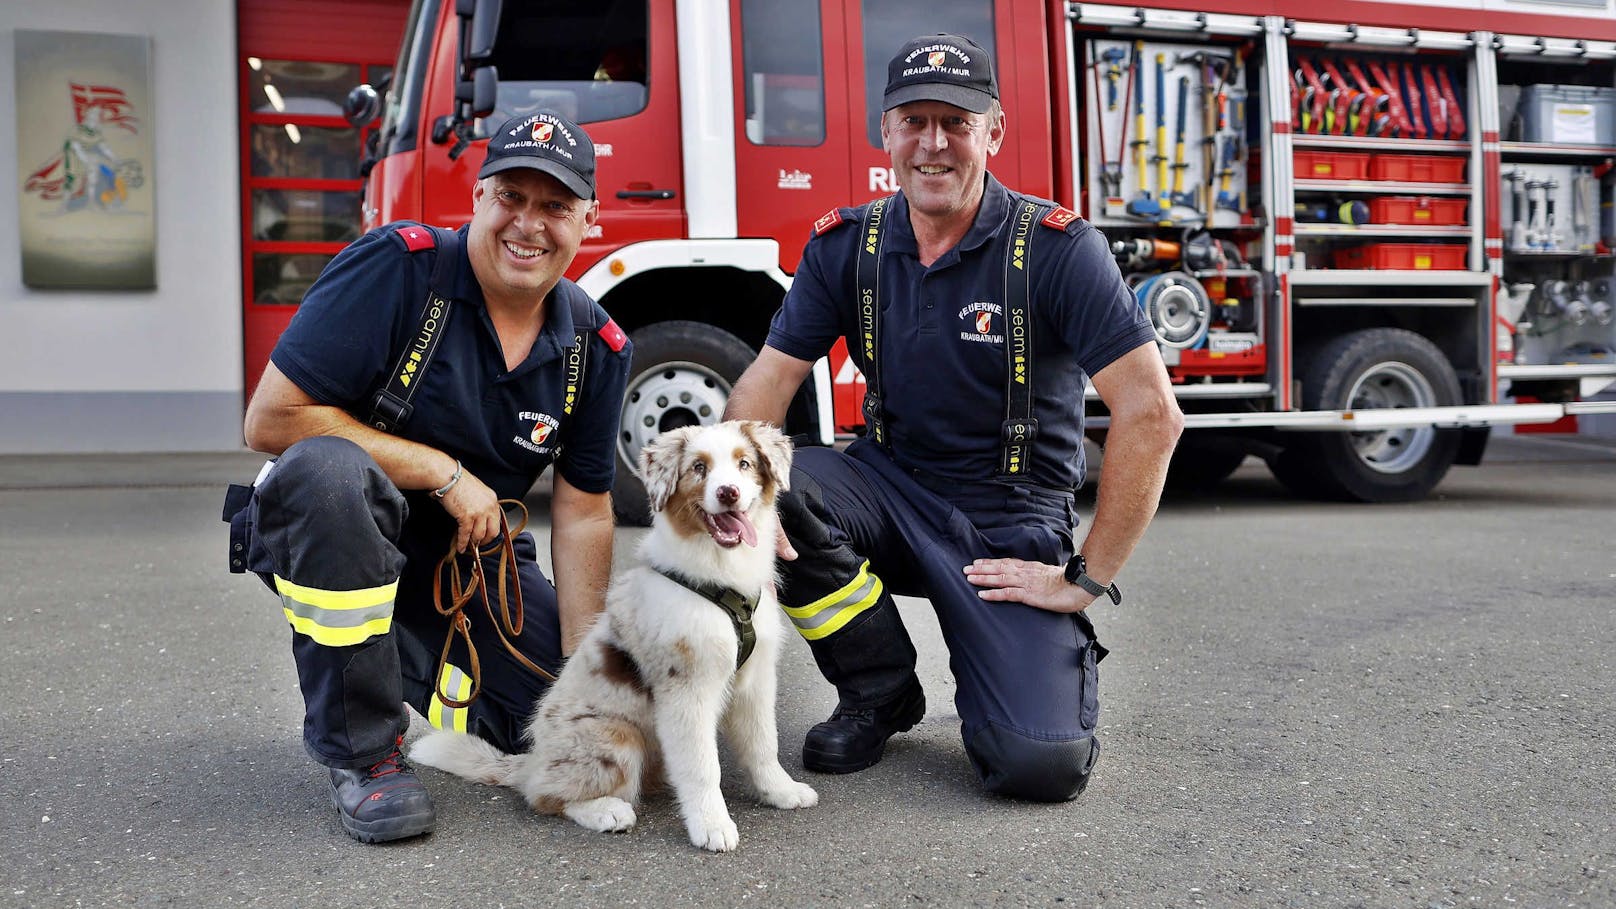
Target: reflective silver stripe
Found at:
x=338, y=618
x=827, y=615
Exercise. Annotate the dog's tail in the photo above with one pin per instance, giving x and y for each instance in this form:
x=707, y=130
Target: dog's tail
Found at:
x=467, y=756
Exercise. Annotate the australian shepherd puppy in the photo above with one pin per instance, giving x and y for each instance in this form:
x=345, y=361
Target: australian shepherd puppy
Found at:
x=656, y=677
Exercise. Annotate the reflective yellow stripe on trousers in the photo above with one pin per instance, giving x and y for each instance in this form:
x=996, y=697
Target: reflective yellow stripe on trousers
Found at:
x=457, y=685
x=828, y=614
x=338, y=618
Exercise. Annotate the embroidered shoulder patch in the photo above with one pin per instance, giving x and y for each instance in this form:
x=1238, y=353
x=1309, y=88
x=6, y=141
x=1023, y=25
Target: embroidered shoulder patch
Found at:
x=613, y=336
x=417, y=238
x=828, y=220
x=1059, y=218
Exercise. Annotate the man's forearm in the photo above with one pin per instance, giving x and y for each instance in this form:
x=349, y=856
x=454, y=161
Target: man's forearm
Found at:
x=1132, y=474
x=410, y=465
x=581, y=553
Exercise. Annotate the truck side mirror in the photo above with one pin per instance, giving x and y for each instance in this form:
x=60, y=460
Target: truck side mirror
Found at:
x=362, y=105
x=479, y=25
x=480, y=93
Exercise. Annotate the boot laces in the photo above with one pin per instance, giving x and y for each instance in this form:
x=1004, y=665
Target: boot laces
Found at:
x=393, y=763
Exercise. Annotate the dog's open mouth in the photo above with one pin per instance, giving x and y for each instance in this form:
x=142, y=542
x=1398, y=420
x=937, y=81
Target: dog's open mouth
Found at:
x=730, y=528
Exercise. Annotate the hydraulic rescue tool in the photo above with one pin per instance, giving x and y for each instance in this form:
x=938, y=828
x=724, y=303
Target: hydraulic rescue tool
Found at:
x=1143, y=204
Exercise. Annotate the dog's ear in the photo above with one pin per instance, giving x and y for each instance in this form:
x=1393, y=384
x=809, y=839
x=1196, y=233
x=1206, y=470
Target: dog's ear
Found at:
x=774, y=448
x=659, y=466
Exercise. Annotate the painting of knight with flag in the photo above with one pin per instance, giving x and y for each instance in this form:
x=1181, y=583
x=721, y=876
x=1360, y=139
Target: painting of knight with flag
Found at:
x=86, y=173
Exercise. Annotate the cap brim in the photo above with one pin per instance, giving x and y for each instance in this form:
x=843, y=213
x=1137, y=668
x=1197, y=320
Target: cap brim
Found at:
x=962, y=96
x=579, y=186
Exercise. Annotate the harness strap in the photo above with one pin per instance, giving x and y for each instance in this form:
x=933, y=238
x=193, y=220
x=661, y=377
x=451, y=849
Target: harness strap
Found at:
x=738, y=605
x=391, y=408
x=867, y=274
x=1020, y=428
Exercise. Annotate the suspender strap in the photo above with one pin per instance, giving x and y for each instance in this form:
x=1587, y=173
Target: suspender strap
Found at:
x=1019, y=428
x=732, y=601
x=868, y=278
x=391, y=408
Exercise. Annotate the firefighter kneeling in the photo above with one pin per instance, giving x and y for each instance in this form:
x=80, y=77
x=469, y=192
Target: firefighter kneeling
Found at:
x=963, y=493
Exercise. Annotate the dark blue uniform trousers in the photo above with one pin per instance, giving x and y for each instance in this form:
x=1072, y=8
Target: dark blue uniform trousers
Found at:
x=1028, y=685
x=327, y=525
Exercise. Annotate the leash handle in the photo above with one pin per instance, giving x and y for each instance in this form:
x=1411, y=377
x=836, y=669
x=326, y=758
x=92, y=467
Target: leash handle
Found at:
x=507, y=620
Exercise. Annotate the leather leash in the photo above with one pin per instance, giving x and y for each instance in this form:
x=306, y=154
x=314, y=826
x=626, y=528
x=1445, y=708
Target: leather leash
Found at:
x=507, y=621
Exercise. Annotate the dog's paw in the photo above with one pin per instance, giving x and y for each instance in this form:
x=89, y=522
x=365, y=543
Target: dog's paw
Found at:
x=605, y=815
x=792, y=795
x=715, y=834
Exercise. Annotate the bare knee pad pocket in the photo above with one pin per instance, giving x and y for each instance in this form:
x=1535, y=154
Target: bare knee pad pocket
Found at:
x=1015, y=766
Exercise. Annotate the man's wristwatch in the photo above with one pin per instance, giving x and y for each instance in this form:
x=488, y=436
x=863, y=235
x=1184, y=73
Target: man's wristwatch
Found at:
x=1077, y=573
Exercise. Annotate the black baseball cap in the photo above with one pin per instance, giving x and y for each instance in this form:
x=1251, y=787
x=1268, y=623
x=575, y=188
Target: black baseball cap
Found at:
x=548, y=142
x=949, y=68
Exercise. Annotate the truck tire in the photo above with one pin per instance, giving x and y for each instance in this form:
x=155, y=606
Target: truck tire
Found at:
x=681, y=376
x=1202, y=460
x=1366, y=370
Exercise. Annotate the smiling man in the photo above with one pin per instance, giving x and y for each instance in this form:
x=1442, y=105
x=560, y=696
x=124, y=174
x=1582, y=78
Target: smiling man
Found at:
x=978, y=315
x=427, y=375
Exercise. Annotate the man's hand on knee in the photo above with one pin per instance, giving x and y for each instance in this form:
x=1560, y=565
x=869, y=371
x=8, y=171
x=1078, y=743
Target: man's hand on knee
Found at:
x=1032, y=583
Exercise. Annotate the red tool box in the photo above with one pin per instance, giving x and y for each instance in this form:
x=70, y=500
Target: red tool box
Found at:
x=1417, y=210
x=1417, y=169
x=1404, y=256
x=1317, y=165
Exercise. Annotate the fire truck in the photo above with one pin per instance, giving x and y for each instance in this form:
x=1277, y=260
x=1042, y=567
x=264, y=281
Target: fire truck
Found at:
x=1365, y=232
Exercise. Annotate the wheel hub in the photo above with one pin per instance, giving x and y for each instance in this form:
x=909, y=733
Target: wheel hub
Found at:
x=673, y=395
x=1385, y=386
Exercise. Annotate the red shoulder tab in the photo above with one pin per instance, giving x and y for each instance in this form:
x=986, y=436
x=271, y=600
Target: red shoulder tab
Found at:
x=613, y=336
x=828, y=220
x=1059, y=218
x=417, y=238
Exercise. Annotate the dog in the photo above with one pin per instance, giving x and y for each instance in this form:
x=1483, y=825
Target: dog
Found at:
x=656, y=676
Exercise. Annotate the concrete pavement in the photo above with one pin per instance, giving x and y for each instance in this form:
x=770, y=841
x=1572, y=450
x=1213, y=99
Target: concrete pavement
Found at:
x=1306, y=705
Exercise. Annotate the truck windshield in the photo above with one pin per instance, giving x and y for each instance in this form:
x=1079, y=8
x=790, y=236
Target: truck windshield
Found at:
x=586, y=60
x=401, y=103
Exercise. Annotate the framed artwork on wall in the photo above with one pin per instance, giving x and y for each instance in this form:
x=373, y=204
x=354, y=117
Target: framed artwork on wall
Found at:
x=87, y=203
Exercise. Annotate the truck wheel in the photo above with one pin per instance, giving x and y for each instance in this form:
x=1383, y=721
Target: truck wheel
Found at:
x=681, y=376
x=1368, y=370
x=1202, y=460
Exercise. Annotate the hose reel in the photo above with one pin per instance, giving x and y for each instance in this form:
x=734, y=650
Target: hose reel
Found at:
x=1178, y=308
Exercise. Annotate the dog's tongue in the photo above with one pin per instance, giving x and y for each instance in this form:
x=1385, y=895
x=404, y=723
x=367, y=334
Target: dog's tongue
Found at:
x=731, y=527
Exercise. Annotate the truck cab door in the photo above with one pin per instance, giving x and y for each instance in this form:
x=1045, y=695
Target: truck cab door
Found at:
x=609, y=65
x=791, y=97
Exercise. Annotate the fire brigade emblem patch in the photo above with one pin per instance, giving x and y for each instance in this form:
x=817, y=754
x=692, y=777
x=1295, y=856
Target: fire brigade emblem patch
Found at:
x=976, y=323
x=538, y=438
x=542, y=131
x=935, y=58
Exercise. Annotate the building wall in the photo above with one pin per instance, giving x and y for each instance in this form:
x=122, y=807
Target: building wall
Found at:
x=151, y=370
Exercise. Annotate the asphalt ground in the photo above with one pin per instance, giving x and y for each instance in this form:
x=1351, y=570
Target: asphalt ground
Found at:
x=1305, y=705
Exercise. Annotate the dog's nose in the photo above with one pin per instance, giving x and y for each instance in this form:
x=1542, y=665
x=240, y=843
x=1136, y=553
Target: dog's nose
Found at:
x=728, y=495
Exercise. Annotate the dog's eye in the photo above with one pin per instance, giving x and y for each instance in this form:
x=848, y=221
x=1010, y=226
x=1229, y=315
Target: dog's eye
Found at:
x=699, y=468
x=745, y=464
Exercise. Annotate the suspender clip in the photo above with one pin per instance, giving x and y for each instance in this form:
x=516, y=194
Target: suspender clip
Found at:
x=389, y=411
x=1019, y=431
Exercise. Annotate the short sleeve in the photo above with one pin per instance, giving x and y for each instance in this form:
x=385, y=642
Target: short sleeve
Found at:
x=588, y=457
x=337, y=346
x=1093, y=308
x=809, y=322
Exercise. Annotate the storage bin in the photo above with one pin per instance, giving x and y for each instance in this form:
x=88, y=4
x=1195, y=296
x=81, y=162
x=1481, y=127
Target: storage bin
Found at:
x=1404, y=256
x=1569, y=114
x=1317, y=165
x=1420, y=211
x=1417, y=169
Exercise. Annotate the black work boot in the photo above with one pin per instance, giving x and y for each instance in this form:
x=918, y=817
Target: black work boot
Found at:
x=385, y=801
x=854, y=738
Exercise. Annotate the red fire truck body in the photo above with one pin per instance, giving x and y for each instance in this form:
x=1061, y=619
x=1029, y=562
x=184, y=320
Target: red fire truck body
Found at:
x=1363, y=240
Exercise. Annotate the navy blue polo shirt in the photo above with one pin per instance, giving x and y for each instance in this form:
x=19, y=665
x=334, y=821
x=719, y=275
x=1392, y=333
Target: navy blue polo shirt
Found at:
x=506, y=427
x=942, y=358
